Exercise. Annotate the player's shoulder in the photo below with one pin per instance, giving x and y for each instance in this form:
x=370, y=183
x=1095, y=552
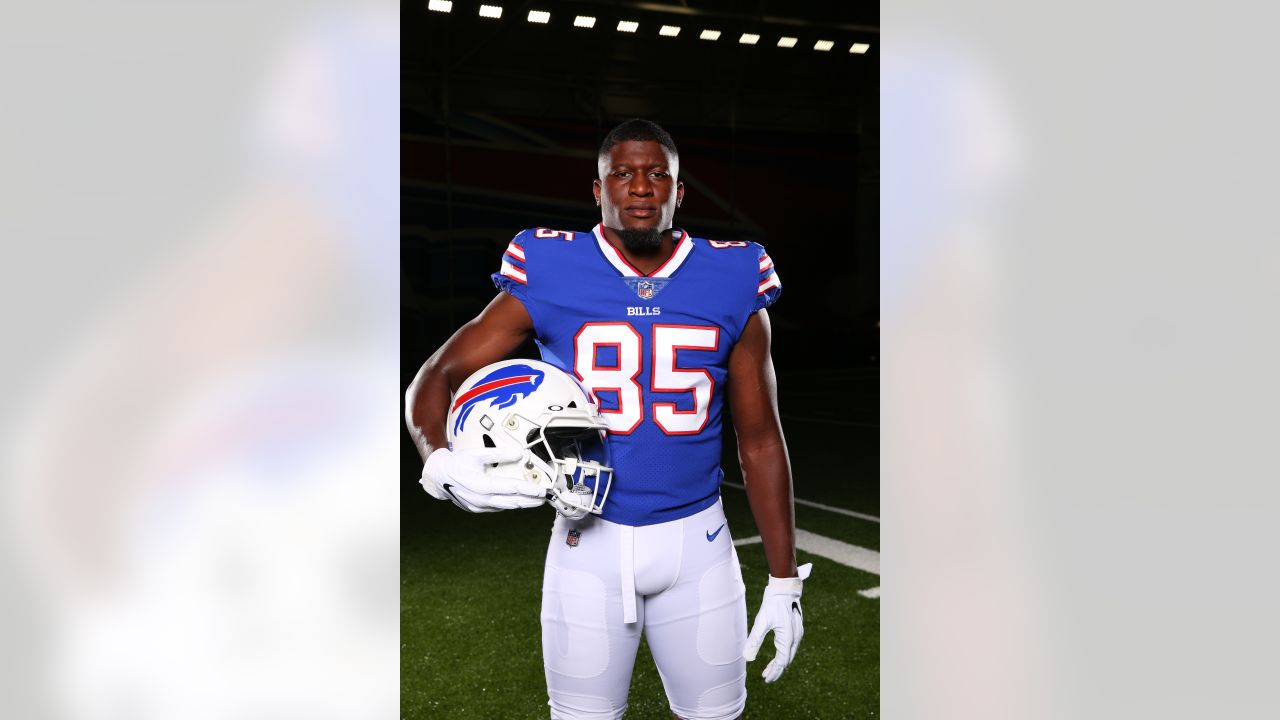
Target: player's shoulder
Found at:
x=731, y=247
x=747, y=261
x=734, y=253
x=533, y=251
x=542, y=235
x=541, y=242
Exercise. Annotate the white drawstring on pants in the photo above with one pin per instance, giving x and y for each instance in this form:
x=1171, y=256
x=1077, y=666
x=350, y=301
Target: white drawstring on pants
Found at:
x=628, y=570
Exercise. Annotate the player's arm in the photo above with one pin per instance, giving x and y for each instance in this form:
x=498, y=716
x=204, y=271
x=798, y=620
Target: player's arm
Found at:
x=493, y=335
x=762, y=452
x=766, y=471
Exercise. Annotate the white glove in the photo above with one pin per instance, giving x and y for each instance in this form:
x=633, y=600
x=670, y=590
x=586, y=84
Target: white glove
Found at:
x=459, y=476
x=779, y=612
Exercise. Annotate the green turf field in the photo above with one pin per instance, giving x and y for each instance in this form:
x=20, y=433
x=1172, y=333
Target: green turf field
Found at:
x=470, y=587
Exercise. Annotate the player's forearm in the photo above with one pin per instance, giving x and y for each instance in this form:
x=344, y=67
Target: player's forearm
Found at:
x=766, y=472
x=426, y=406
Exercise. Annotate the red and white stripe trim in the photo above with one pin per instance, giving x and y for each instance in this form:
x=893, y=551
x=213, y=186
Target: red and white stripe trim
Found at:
x=515, y=251
x=684, y=246
x=766, y=262
x=769, y=283
x=514, y=273
x=611, y=254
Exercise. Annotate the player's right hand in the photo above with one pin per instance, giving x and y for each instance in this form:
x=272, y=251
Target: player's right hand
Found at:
x=459, y=476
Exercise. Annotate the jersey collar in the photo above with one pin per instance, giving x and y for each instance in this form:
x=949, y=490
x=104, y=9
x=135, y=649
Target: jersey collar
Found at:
x=684, y=245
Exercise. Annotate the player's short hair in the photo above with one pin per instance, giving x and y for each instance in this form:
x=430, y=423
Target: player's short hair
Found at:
x=638, y=129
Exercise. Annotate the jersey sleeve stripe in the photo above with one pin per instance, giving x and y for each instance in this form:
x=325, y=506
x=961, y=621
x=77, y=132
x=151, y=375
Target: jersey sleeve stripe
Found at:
x=515, y=251
x=766, y=262
x=773, y=281
x=514, y=272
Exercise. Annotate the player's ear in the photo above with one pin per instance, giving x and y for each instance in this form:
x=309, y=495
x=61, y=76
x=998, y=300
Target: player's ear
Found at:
x=679, y=193
x=595, y=189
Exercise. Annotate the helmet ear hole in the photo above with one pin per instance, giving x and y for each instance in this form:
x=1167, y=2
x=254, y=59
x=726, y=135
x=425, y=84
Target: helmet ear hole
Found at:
x=534, y=439
x=488, y=441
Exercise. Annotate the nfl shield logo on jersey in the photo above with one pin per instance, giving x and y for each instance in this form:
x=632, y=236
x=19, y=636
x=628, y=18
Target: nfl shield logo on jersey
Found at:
x=647, y=288
x=572, y=540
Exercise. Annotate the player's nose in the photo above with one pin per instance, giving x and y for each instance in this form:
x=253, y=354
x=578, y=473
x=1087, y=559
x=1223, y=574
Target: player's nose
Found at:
x=641, y=187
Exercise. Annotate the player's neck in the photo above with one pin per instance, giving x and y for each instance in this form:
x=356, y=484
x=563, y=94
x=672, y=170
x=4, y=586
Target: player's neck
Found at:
x=646, y=263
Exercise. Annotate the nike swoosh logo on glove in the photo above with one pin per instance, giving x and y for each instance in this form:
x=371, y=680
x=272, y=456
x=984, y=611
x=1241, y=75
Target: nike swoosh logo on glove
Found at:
x=449, y=489
x=711, y=536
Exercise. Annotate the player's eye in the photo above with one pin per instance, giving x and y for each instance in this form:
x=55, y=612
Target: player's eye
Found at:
x=659, y=175
x=622, y=174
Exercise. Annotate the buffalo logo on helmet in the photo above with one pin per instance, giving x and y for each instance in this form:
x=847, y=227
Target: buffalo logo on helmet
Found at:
x=501, y=388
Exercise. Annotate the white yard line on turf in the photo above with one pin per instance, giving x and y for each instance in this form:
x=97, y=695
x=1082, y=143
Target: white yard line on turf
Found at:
x=820, y=506
x=848, y=555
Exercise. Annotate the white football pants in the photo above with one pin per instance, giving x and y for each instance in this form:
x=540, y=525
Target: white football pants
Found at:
x=677, y=581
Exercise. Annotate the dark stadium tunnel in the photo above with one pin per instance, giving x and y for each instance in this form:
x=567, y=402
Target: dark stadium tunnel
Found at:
x=500, y=121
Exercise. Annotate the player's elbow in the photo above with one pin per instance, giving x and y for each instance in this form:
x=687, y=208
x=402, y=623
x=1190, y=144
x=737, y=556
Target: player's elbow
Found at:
x=430, y=372
x=769, y=450
x=411, y=403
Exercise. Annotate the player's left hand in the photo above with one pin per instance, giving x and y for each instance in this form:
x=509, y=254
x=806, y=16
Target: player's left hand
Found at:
x=780, y=613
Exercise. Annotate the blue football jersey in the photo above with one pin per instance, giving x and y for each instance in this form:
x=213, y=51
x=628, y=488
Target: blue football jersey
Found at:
x=653, y=350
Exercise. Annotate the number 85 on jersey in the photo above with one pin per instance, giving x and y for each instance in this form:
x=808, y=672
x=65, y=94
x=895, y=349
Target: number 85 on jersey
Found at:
x=597, y=341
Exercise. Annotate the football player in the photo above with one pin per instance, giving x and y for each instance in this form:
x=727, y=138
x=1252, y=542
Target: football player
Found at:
x=658, y=326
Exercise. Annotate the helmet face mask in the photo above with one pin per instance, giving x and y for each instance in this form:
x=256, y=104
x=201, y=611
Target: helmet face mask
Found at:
x=578, y=458
x=536, y=407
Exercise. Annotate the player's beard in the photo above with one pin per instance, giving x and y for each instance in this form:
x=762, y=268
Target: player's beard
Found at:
x=641, y=242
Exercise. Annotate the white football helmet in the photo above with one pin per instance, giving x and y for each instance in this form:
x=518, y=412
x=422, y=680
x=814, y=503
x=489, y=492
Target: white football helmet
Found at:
x=538, y=407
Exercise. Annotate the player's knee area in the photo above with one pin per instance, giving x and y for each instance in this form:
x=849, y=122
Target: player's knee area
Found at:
x=723, y=702
x=568, y=706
